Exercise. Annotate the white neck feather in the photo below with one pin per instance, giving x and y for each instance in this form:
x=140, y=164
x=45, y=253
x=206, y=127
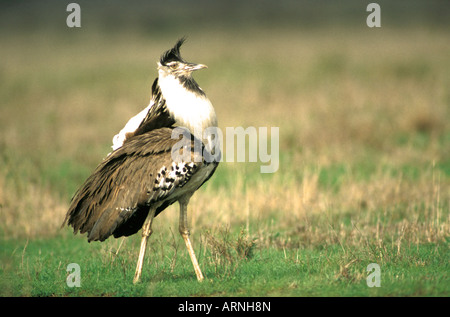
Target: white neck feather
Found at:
x=190, y=110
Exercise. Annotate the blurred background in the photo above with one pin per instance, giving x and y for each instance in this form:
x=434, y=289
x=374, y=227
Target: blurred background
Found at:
x=363, y=112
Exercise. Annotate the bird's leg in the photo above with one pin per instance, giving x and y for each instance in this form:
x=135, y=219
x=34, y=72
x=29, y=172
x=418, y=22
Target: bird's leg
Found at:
x=184, y=231
x=146, y=232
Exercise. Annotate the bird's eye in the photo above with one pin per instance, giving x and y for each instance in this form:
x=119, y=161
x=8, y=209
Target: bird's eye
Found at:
x=173, y=66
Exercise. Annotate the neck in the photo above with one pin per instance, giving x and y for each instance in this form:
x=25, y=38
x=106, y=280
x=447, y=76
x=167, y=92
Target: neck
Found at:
x=187, y=103
x=190, y=84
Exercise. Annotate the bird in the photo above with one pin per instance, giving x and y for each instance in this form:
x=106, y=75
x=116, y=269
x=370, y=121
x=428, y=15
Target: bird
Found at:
x=148, y=168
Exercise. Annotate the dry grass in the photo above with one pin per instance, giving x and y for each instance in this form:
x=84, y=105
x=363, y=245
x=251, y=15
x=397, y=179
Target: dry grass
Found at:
x=29, y=210
x=363, y=117
x=364, y=175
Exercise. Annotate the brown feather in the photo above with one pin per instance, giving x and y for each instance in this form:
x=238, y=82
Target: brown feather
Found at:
x=116, y=198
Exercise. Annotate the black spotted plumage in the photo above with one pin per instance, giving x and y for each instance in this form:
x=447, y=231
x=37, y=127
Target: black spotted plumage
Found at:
x=115, y=199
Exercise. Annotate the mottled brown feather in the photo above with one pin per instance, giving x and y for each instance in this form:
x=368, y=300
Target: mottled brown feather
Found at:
x=116, y=198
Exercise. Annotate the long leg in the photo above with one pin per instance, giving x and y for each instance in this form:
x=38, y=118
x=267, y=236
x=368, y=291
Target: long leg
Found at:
x=146, y=232
x=184, y=231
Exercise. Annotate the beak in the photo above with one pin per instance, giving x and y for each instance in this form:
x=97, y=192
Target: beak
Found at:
x=192, y=67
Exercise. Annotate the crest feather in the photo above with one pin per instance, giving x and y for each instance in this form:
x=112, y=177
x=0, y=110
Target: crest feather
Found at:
x=173, y=54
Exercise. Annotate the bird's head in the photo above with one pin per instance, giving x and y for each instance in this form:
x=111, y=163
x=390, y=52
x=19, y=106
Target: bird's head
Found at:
x=171, y=63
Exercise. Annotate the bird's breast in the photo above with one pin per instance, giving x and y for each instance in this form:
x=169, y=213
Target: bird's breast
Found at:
x=189, y=109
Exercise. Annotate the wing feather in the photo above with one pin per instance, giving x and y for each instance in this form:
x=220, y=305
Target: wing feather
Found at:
x=116, y=198
x=154, y=116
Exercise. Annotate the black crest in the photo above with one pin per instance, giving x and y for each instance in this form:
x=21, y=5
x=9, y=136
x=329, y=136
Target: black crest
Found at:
x=173, y=54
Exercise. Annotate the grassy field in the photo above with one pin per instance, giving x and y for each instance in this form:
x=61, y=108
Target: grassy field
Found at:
x=364, y=173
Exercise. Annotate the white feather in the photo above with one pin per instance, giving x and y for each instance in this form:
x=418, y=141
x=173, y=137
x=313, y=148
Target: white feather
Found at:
x=131, y=126
x=189, y=109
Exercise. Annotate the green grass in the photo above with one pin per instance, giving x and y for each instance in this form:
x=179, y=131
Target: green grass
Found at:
x=38, y=268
